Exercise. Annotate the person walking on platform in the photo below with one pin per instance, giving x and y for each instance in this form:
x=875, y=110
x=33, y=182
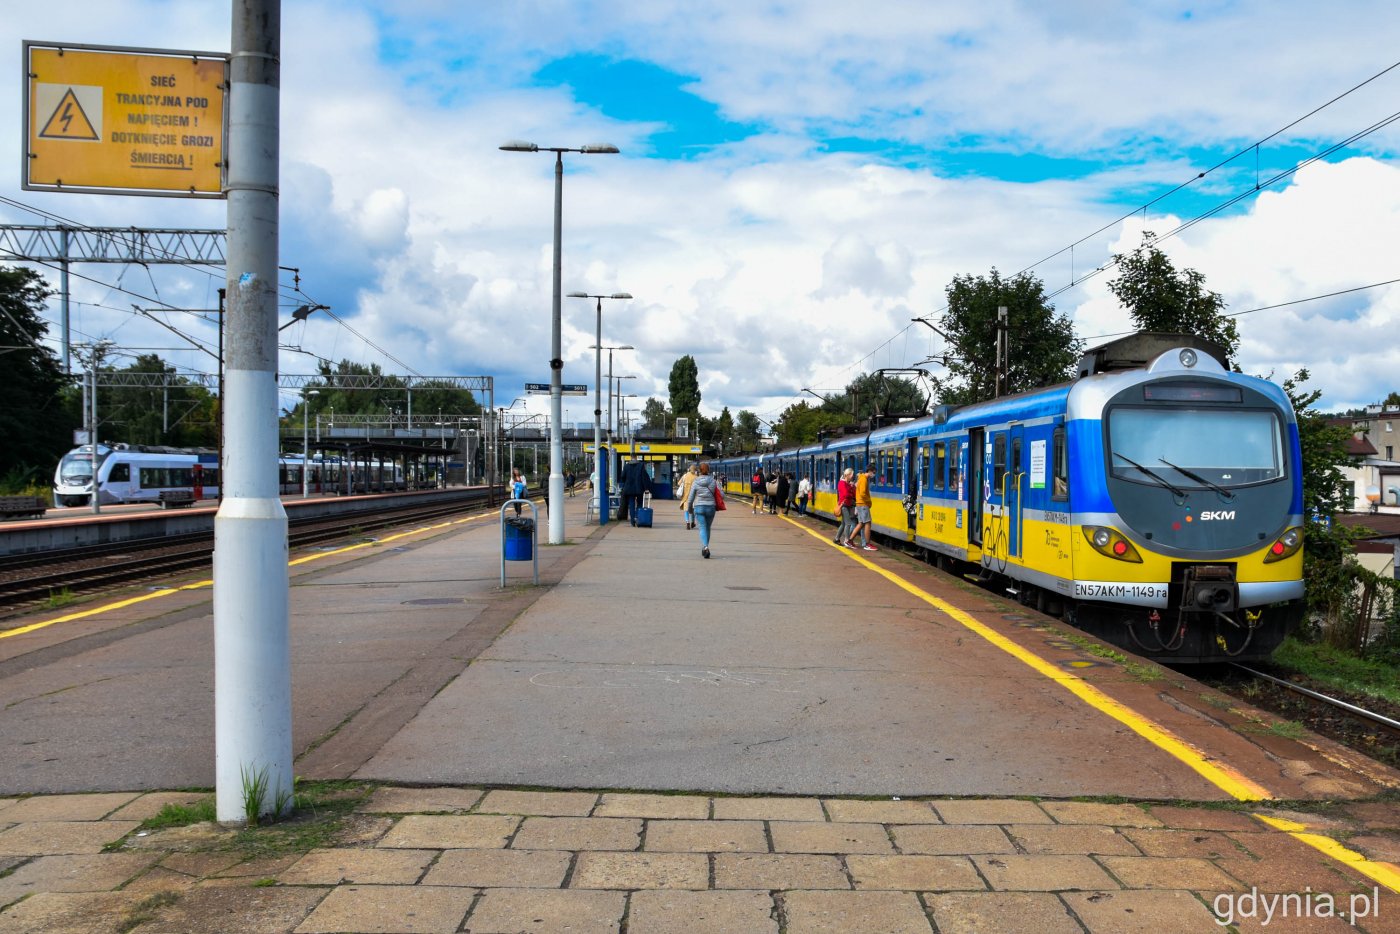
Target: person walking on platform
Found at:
x=804, y=495
x=635, y=482
x=756, y=490
x=846, y=503
x=784, y=498
x=863, y=504
x=687, y=479
x=517, y=487
x=701, y=502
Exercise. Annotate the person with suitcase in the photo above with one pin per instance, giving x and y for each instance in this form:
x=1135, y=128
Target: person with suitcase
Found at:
x=635, y=482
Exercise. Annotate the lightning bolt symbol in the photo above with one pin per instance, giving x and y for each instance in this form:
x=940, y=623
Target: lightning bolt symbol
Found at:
x=67, y=115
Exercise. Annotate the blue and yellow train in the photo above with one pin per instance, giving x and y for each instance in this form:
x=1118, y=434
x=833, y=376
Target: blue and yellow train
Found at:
x=1155, y=501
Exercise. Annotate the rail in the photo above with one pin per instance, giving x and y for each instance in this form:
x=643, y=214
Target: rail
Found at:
x=1352, y=709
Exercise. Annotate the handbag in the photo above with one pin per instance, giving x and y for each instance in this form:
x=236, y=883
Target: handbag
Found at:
x=719, y=499
x=772, y=487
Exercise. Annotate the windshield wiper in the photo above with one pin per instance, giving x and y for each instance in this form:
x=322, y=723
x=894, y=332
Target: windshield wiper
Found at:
x=1161, y=481
x=1228, y=494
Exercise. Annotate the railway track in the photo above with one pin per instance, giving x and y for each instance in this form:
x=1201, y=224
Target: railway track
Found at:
x=1346, y=707
x=29, y=580
x=1350, y=721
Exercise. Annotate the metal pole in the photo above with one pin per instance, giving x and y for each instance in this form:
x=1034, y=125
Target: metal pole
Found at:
x=556, y=370
x=252, y=654
x=63, y=287
x=598, y=490
x=92, y=427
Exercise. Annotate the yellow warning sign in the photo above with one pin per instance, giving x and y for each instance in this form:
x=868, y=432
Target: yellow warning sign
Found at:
x=124, y=121
x=69, y=120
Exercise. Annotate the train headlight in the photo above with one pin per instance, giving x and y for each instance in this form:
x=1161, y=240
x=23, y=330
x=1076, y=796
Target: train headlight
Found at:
x=1285, y=546
x=1187, y=358
x=1111, y=543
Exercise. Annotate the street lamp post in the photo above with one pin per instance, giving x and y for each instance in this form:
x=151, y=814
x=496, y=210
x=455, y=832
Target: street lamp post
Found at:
x=597, y=403
x=616, y=427
x=556, y=363
x=305, y=444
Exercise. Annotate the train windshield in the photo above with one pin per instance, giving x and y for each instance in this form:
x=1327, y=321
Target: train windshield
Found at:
x=75, y=469
x=1195, y=447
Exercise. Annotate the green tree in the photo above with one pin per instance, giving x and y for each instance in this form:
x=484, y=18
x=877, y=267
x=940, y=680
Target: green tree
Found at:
x=801, y=423
x=1392, y=400
x=170, y=410
x=1042, y=347
x=1162, y=298
x=684, y=387
x=747, y=429
x=721, y=430
x=37, y=416
x=1330, y=570
x=655, y=414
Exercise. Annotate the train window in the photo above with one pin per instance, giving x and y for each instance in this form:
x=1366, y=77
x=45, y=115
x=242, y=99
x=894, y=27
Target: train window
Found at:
x=999, y=464
x=121, y=473
x=1015, y=458
x=940, y=466
x=1060, y=466
x=955, y=466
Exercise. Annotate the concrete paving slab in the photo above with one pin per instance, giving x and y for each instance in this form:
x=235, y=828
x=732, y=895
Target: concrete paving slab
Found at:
x=466, y=831
x=544, y=869
x=998, y=912
x=935, y=840
x=704, y=836
x=389, y=909
x=691, y=807
x=702, y=913
x=915, y=873
x=641, y=871
x=57, y=838
x=367, y=866
x=854, y=913
x=510, y=911
x=87, y=873
x=1145, y=912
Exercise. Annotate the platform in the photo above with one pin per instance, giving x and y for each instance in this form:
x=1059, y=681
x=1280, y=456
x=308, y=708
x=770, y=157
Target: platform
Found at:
x=789, y=733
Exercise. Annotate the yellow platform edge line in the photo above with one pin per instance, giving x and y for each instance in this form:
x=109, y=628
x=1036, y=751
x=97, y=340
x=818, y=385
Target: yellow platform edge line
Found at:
x=1387, y=874
x=197, y=585
x=1221, y=776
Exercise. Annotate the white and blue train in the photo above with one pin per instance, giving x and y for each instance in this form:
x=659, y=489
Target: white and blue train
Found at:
x=1155, y=501
x=126, y=473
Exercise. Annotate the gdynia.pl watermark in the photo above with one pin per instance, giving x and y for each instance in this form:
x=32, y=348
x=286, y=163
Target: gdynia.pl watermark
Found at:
x=1230, y=907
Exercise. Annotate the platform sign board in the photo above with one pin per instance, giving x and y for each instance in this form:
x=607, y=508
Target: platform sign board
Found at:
x=112, y=120
x=567, y=389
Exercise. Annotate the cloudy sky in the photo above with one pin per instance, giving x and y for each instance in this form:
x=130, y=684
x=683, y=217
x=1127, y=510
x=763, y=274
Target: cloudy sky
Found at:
x=797, y=180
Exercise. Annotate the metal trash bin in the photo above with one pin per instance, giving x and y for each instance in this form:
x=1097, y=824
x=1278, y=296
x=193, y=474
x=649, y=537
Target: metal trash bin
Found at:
x=520, y=538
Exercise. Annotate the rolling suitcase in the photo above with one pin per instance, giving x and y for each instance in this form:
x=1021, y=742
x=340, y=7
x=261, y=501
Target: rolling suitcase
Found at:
x=643, y=516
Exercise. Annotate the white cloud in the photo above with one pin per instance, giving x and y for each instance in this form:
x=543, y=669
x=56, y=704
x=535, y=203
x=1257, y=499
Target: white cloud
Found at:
x=777, y=265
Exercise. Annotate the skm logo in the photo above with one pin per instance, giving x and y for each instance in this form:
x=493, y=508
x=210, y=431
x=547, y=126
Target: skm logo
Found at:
x=1217, y=515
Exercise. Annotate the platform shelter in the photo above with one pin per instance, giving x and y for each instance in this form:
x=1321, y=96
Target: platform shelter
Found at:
x=665, y=460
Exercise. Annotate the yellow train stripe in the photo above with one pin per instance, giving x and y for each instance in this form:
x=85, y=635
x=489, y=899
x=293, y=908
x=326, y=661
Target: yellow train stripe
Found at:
x=1222, y=776
x=165, y=592
x=1387, y=874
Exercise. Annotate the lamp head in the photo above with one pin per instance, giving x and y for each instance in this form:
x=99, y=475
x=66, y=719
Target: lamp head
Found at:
x=620, y=295
x=578, y=295
x=519, y=145
x=599, y=148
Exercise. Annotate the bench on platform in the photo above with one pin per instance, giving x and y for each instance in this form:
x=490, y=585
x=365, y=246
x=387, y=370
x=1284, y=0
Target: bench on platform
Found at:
x=19, y=507
x=172, y=499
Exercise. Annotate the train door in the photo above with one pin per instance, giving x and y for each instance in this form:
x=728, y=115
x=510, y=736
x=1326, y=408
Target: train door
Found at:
x=912, y=472
x=1015, y=477
x=978, y=487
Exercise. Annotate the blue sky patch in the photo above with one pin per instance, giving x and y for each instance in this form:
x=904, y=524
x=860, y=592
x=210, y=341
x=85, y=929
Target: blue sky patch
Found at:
x=640, y=92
